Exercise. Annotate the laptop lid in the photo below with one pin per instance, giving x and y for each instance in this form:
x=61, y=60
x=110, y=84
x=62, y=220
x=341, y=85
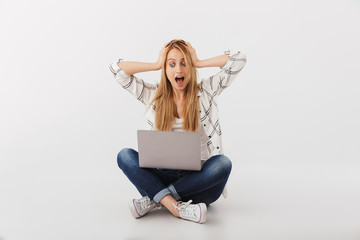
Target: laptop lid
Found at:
x=170, y=150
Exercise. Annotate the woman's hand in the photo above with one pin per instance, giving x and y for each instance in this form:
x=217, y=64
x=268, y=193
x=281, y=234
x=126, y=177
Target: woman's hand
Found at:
x=193, y=55
x=161, y=57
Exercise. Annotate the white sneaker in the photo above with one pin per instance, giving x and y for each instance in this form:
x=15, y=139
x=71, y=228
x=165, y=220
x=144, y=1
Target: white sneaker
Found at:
x=139, y=207
x=192, y=212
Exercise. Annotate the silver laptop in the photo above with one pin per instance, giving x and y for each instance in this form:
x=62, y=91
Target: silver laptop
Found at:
x=169, y=150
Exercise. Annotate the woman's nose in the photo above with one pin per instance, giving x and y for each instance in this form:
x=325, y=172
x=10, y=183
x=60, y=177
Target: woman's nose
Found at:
x=178, y=69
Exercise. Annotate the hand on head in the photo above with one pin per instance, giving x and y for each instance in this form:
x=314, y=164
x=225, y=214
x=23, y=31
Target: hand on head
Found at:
x=161, y=56
x=193, y=54
x=190, y=48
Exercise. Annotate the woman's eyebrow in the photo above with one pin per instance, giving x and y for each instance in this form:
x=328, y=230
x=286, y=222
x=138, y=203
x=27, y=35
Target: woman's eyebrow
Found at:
x=175, y=59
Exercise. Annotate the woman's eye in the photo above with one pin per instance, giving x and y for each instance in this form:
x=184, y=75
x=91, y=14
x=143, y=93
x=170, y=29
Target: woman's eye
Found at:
x=173, y=64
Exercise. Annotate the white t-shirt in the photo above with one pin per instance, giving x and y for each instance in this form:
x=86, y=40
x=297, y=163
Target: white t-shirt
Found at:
x=177, y=127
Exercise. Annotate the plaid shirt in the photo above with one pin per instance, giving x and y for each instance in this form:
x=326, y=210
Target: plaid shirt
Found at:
x=209, y=89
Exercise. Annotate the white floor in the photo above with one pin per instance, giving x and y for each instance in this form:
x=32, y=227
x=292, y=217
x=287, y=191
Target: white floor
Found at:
x=297, y=202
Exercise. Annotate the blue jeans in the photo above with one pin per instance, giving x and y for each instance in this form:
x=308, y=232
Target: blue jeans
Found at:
x=203, y=186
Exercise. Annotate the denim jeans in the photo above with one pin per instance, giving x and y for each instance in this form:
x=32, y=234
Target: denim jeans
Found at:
x=203, y=186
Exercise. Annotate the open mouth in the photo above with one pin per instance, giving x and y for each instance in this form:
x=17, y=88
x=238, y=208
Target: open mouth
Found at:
x=179, y=80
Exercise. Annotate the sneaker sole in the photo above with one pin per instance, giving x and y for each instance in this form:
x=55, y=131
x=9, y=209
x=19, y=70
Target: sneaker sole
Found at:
x=203, y=212
x=133, y=209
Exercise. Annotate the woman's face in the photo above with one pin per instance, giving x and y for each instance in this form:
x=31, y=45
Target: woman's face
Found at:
x=176, y=69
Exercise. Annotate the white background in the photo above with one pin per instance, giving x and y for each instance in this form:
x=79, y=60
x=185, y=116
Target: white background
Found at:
x=290, y=121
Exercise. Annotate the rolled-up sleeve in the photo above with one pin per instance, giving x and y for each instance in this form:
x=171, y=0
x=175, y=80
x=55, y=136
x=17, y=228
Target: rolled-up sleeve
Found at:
x=142, y=90
x=218, y=82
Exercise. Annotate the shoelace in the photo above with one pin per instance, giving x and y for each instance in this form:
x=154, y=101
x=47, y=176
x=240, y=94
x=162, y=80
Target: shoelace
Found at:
x=186, y=211
x=182, y=205
x=145, y=203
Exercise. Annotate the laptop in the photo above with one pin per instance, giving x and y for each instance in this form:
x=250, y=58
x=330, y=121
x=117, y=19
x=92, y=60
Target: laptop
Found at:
x=169, y=150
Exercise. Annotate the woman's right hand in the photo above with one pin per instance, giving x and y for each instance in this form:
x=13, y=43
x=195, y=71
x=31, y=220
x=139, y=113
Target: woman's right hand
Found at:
x=161, y=57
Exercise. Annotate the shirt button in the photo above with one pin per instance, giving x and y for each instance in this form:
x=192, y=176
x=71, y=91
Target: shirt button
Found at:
x=204, y=125
x=217, y=147
x=209, y=136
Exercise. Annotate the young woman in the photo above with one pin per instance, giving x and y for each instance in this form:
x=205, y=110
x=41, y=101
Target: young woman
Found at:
x=180, y=103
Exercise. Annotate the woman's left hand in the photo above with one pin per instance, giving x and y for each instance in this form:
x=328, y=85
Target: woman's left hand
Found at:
x=194, y=58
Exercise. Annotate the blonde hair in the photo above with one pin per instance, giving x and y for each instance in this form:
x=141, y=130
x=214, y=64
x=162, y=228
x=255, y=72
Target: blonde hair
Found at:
x=165, y=107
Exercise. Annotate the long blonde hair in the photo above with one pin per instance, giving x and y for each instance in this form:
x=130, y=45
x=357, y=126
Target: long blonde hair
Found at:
x=165, y=107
